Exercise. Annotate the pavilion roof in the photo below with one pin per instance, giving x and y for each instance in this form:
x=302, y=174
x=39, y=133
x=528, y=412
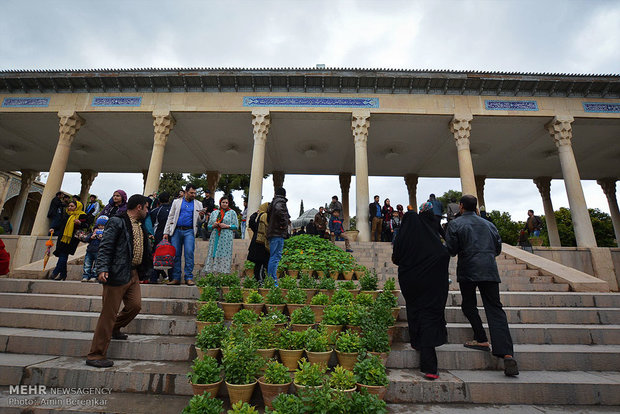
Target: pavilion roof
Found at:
x=310, y=80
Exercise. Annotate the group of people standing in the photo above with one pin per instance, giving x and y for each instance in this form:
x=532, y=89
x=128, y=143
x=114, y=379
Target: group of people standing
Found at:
x=385, y=222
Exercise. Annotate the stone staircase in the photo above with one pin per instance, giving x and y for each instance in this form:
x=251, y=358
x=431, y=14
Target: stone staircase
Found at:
x=567, y=343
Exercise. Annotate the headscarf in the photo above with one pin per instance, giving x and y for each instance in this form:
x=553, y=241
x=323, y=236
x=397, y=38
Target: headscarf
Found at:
x=122, y=207
x=261, y=234
x=221, y=213
x=426, y=206
x=5, y=259
x=67, y=234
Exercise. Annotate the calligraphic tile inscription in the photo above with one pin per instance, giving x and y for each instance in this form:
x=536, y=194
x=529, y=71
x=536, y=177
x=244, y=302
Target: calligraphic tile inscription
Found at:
x=310, y=101
x=26, y=102
x=612, y=108
x=117, y=101
x=495, y=105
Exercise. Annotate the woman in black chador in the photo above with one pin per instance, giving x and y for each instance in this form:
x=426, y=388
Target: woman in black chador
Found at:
x=422, y=262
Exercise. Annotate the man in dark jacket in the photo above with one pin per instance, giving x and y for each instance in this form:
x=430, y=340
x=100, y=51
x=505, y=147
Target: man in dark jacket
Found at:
x=533, y=224
x=54, y=214
x=320, y=222
x=477, y=242
x=277, y=230
x=375, y=217
x=124, y=258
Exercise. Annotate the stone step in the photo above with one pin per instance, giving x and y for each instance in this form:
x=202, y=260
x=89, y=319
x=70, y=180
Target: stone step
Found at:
x=77, y=344
x=553, y=299
x=556, y=334
x=86, y=303
x=541, y=315
x=484, y=387
x=86, y=321
x=530, y=357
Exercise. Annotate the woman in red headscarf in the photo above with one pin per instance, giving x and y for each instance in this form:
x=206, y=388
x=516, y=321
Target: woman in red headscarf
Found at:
x=223, y=223
x=5, y=258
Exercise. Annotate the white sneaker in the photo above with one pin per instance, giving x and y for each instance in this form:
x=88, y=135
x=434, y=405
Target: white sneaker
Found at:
x=93, y=280
x=84, y=279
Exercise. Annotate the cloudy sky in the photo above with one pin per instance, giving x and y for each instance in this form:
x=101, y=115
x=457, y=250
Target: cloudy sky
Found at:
x=529, y=36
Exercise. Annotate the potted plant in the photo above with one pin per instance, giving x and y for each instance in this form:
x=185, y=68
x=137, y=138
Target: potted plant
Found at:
x=390, y=286
x=204, y=404
x=248, y=268
x=342, y=297
x=209, y=279
x=359, y=270
x=266, y=286
x=364, y=299
x=365, y=402
x=309, y=375
x=245, y=318
x=308, y=285
x=275, y=300
x=342, y=380
x=369, y=283
x=293, y=270
x=349, y=286
x=370, y=374
x=208, y=314
x=276, y=380
x=209, y=340
x=376, y=341
x=288, y=404
x=264, y=337
x=205, y=376
x=208, y=294
x=287, y=283
x=228, y=280
x=242, y=408
x=278, y=318
x=334, y=318
x=381, y=314
x=348, y=346
x=291, y=347
x=255, y=302
x=318, y=349
x=233, y=300
x=347, y=271
x=302, y=318
x=356, y=315
x=327, y=285
x=241, y=366
x=386, y=298
x=249, y=284
x=317, y=304
x=321, y=269
x=295, y=299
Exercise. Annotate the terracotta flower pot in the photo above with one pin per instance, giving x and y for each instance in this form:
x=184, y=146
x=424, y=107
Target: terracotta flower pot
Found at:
x=383, y=356
x=359, y=273
x=303, y=387
x=292, y=307
x=390, y=331
x=373, y=293
x=309, y=294
x=347, y=359
x=300, y=327
x=289, y=357
x=257, y=308
x=333, y=328
x=328, y=292
x=275, y=307
x=319, y=357
x=248, y=272
x=266, y=353
x=279, y=326
x=396, y=293
x=346, y=392
x=241, y=392
x=347, y=275
x=264, y=292
x=212, y=352
x=320, y=273
x=354, y=292
x=355, y=328
x=318, y=312
x=395, y=312
x=199, y=389
x=379, y=391
x=225, y=289
x=334, y=274
x=293, y=273
x=201, y=324
x=245, y=292
x=230, y=309
x=284, y=292
x=309, y=272
x=271, y=391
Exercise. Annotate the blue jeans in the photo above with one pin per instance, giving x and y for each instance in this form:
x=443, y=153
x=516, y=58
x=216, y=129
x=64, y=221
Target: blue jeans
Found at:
x=276, y=244
x=536, y=233
x=183, y=239
x=61, y=266
x=89, y=269
x=243, y=229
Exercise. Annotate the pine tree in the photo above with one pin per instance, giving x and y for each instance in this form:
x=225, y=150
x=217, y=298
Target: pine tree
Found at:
x=301, y=208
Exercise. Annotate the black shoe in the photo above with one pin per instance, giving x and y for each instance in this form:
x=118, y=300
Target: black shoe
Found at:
x=100, y=363
x=511, y=369
x=119, y=335
x=59, y=277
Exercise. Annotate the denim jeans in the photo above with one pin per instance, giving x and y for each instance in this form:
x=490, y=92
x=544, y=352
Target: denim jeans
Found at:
x=276, y=244
x=89, y=268
x=183, y=240
x=536, y=233
x=243, y=229
x=61, y=266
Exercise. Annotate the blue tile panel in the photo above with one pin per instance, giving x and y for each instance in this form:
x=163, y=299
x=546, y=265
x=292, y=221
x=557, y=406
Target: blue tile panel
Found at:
x=310, y=101
x=493, y=105
x=26, y=102
x=613, y=108
x=117, y=101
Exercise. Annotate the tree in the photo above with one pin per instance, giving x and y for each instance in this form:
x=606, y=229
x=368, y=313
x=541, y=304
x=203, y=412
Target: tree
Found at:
x=172, y=183
x=447, y=197
x=601, y=224
x=301, y=208
x=508, y=229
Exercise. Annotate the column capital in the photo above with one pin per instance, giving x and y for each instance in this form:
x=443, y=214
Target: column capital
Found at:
x=411, y=180
x=560, y=129
x=609, y=186
x=345, y=181
x=544, y=186
x=360, y=122
x=261, y=121
x=163, y=122
x=278, y=179
x=69, y=124
x=460, y=126
x=27, y=178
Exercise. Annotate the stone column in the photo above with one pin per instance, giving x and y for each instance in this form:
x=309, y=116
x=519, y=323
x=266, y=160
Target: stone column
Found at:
x=609, y=188
x=4, y=184
x=278, y=179
x=480, y=179
x=162, y=125
x=544, y=187
x=213, y=177
x=460, y=126
x=360, y=122
x=260, y=121
x=88, y=176
x=70, y=123
x=561, y=131
x=345, y=185
x=28, y=177
x=411, y=180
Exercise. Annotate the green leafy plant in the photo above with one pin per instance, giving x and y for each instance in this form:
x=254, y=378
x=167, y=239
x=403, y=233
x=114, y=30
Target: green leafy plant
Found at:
x=365, y=403
x=307, y=282
x=386, y=298
x=276, y=373
x=317, y=340
x=348, y=342
x=327, y=283
x=390, y=284
x=375, y=338
x=310, y=375
x=205, y=371
x=347, y=284
x=248, y=265
x=320, y=299
x=230, y=279
x=255, y=297
x=303, y=315
x=211, y=336
x=287, y=404
x=380, y=313
x=288, y=282
x=268, y=283
x=210, y=312
x=209, y=293
x=296, y=296
x=335, y=315
x=250, y=283
x=342, y=297
x=369, y=370
x=204, y=404
x=234, y=295
x=263, y=334
x=292, y=340
x=210, y=279
x=342, y=379
x=369, y=281
x=275, y=297
x=241, y=362
x=244, y=317
x=364, y=299
x=241, y=407
x=276, y=316
x=356, y=314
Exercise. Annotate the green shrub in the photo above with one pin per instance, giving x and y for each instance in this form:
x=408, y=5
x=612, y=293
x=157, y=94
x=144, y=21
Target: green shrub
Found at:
x=234, y=295
x=287, y=404
x=335, y=315
x=268, y=283
x=250, y=283
x=342, y=379
x=342, y=297
x=209, y=293
x=288, y=282
x=375, y=338
x=204, y=404
x=348, y=342
x=296, y=296
x=210, y=279
x=275, y=297
x=317, y=340
x=205, y=371
x=263, y=334
x=211, y=336
x=276, y=316
x=356, y=314
x=307, y=282
x=244, y=317
x=292, y=340
x=230, y=279
x=303, y=315
x=364, y=299
x=369, y=370
x=327, y=283
x=365, y=403
x=276, y=373
x=254, y=298
x=347, y=284
x=310, y=375
x=390, y=284
x=386, y=298
x=320, y=299
x=210, y=312
x=241, y=362
x=369, y=281
x=241, y=407
x=248, y=265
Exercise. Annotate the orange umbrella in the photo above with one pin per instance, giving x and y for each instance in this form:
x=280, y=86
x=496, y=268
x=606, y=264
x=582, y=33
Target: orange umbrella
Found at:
x=49, y=245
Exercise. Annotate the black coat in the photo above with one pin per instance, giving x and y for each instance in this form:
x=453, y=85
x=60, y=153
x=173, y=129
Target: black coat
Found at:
x=68, y=249
x=477, y=242
x=278, y=218
x=257, y=252
x=372, y=211
x=116, y=251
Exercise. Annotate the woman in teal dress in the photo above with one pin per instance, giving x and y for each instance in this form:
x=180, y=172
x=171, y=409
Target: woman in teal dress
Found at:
x=222, y=223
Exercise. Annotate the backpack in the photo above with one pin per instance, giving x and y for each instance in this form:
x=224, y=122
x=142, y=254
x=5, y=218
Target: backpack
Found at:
x=163, y=259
